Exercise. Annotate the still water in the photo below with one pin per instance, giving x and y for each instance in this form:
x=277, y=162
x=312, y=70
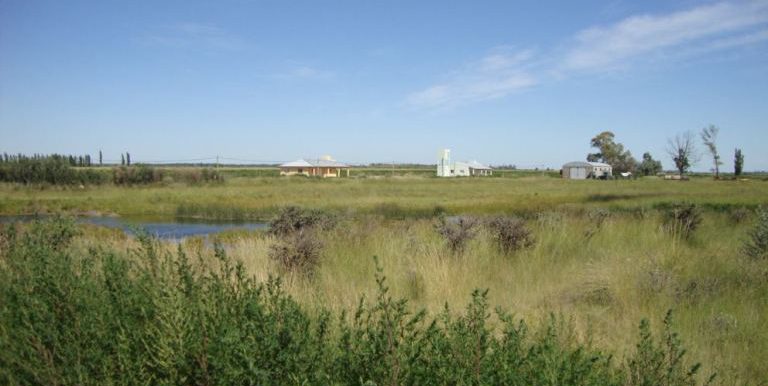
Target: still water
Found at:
x=174, y=229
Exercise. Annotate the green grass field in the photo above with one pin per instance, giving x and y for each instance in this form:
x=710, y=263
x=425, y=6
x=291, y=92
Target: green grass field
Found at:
x=397, y=197
x=602, y=278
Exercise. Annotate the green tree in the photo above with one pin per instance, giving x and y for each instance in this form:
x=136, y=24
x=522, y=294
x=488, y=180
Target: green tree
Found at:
x=709, y=137
x=738, y=162
x=649, y=166
x=682, y=150
x=100, y=158
x=612, y=153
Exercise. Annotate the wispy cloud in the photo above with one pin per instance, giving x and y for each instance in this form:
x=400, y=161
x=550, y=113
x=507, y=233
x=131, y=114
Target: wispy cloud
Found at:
x=304, y=72
x=193, y=35
x=637, y=39
x=605, y=48
x=494, y=76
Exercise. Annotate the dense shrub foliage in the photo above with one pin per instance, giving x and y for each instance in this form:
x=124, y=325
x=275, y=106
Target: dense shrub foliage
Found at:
x=457, y=232
x=292, y=219
x=756, y=245
x=298, y=251
x=154, y=317
x=510, y=233
x=59, y=169
x=144, y=174
x=136, y=175
x=53, y=169
x=298, y=245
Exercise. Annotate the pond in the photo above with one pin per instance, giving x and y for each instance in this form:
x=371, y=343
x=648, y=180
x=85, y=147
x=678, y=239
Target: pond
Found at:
x=169, y=230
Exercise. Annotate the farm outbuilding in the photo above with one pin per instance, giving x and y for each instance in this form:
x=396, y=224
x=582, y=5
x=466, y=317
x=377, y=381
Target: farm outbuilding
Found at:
x=471, y=168
x=446, y=168
x=580, y=170
x=321, y=167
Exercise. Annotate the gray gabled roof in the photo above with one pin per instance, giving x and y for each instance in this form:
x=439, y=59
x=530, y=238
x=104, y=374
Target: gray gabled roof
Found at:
x=475, y=165
x=584, y=164
x=296, y=164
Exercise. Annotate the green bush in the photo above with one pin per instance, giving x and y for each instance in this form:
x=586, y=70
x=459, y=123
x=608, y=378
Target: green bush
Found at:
x=756, y=246
x=197, y=176
x=156, y=317
x=136, y=175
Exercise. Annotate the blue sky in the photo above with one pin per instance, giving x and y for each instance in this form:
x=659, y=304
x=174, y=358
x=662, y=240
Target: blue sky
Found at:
x=524, y=82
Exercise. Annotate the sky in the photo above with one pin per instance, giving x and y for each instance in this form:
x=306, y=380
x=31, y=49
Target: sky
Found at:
x=524, y=83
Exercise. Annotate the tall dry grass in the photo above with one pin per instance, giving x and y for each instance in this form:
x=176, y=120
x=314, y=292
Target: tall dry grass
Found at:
x=604, y=280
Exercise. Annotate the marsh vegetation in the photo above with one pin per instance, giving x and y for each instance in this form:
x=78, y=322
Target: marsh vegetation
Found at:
x=573, y=267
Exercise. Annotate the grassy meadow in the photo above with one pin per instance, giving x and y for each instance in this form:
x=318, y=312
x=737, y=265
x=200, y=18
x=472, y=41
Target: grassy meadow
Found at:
x=401, y=196
x=601, y=260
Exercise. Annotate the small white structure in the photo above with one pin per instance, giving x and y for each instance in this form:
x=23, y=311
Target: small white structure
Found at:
x=471, y=168
x=446, y=168
x=580, y=170
x=322, y=167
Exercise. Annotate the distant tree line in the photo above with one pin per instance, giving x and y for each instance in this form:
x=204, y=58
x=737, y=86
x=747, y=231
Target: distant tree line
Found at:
x=71, y=160
x=55, y=169
x=58, y=169
x=681, y=150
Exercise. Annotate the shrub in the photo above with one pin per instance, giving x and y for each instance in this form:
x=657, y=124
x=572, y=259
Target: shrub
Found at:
x=136, y=175
x=157, y=317
x=197, y=176
x=293, y=219
x=756, y=246
x=457, y=232
x=439, y=210
x=739, y=215
x=298, y=246
x=597, y=218
x=682, y=219
x=298, y=251
x=662, y=363
x=510, y=233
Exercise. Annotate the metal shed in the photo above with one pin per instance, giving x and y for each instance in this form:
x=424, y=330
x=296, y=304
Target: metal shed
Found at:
x=580, y=170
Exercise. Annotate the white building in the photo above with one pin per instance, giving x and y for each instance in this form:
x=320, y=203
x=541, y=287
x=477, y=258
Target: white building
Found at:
x=580, y=170
x=446, y=168
x=471, y=168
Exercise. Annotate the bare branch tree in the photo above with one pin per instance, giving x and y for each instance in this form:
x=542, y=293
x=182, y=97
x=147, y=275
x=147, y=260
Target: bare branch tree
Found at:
x=682, y=150
x=709, y=137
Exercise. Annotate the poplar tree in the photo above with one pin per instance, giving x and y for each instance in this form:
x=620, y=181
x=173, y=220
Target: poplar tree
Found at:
x=738, y=162
x=709, y=137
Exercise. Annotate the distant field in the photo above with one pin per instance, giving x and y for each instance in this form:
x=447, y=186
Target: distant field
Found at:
x=412, y=194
